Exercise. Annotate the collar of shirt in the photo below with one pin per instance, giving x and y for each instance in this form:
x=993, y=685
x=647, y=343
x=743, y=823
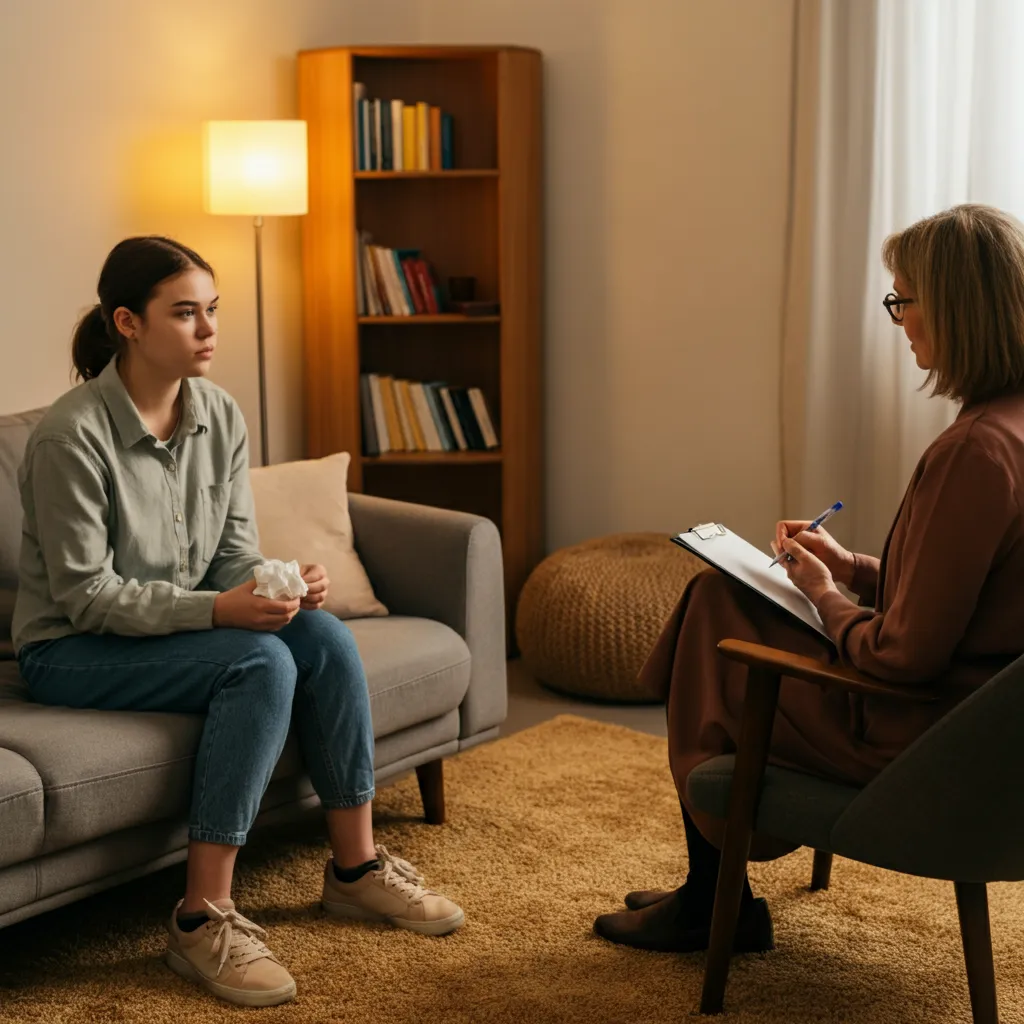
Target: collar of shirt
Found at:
x=127, y=420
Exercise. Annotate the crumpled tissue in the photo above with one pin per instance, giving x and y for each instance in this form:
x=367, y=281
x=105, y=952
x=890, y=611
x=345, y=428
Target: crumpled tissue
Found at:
x=280, y=581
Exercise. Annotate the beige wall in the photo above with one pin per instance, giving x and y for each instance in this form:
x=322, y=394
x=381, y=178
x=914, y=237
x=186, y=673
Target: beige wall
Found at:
x=667, y=140
x=100, y=121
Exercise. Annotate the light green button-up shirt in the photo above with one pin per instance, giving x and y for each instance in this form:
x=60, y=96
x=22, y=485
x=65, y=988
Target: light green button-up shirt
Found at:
x=123, y=534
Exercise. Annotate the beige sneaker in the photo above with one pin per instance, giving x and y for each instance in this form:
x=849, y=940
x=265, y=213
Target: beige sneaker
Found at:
x=226, y=956
x=393, y=894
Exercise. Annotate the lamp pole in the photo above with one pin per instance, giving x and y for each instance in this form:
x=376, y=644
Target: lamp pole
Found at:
x=258, y=229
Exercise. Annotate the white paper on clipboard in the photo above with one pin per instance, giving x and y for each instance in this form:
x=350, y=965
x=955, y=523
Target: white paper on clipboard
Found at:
x=734, y=556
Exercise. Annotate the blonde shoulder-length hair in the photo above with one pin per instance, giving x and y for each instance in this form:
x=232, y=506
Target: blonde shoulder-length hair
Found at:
x=965, y=268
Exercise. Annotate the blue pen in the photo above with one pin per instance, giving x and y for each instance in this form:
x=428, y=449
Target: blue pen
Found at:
x=827, y=514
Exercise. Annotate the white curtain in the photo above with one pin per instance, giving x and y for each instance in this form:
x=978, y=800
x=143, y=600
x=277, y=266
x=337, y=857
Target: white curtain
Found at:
x=919, y=105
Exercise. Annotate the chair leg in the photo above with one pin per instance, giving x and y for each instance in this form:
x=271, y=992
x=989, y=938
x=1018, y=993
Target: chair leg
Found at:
x=822, y=870
x=762, y=697
x=430, y=776
x=972, y=906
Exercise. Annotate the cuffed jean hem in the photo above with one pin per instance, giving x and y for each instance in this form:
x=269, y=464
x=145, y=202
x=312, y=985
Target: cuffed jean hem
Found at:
x=356, y=800
x=204, y=835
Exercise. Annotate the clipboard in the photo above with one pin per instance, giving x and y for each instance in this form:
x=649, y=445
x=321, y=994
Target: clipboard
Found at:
x=732, y=555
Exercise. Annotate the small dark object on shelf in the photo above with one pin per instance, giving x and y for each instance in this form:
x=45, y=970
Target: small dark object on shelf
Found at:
x=479, y=307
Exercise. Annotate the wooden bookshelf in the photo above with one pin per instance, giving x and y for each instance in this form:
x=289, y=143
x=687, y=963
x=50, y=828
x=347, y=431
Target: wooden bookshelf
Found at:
x=438, y=318
x=454, y=173
x=480, y=218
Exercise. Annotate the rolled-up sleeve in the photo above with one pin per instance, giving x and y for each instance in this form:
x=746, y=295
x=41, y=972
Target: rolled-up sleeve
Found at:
x=71, y=504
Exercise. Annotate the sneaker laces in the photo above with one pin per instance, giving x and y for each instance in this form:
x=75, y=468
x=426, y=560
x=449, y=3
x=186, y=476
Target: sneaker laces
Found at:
x=236, y=937
x=401, y=875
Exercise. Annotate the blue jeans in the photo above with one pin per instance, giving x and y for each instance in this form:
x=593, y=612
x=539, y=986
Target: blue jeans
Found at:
x=249, y=685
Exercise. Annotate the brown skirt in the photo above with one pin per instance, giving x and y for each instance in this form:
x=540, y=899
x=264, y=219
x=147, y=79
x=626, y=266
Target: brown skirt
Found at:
x=821, y=730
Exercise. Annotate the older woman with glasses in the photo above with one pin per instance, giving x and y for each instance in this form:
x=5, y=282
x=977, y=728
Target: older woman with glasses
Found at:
x=945, y=605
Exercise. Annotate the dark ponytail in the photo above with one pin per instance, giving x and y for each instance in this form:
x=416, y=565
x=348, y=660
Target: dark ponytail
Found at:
x=92, y=347
x=131, y=273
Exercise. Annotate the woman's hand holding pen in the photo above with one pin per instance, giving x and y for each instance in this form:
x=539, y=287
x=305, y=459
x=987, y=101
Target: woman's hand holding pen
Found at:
x=817, y=560
x=820, y=543
x=806, y=571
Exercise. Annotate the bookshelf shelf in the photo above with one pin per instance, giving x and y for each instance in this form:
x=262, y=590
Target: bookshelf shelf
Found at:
x=400, y=175
x=439, y=318
x=479, y=217
x=432, y=458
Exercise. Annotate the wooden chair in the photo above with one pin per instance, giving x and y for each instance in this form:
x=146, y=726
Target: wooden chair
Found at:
x=951, y=806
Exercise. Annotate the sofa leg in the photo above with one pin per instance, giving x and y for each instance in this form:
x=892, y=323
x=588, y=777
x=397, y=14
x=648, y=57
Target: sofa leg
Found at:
x=431, y=779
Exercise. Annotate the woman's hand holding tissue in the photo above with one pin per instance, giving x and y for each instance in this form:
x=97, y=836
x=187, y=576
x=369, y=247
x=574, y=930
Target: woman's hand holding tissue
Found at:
x=243, y=608
x=315, y=577
x=273, y=597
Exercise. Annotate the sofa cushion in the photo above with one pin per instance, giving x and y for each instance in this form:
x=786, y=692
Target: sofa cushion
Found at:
x=14, y=434
x=417, y=668
x=108, y=770
x=21, y=809
x=302, y=514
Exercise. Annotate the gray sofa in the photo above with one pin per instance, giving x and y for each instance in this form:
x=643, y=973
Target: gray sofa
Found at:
x=89, y=799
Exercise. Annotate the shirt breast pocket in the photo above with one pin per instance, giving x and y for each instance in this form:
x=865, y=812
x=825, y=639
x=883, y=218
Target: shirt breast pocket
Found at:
x=214, y=512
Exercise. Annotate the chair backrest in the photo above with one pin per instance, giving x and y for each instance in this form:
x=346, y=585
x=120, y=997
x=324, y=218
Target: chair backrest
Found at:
x=952, y=804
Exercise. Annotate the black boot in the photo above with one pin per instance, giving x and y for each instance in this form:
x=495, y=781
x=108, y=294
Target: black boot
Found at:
x=640, y=898
x=687, y=920
x=676, y=925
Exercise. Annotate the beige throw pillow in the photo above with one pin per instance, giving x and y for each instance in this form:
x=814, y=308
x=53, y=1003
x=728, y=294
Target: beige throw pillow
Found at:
x=302, y=513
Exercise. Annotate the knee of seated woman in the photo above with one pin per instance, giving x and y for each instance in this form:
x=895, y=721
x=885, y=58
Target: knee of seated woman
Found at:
x=321, y=633
x=266, y=654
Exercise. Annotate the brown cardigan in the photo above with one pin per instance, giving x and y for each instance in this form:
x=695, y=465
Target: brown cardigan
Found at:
x=948, y=592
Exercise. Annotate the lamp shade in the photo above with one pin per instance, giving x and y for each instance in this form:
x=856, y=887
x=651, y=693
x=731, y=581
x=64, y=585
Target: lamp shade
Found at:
x=255, y=168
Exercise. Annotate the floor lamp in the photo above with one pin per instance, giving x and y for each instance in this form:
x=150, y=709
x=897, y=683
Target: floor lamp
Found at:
x=256, y=169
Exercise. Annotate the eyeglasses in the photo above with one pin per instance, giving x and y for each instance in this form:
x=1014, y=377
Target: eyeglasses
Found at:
x=894, y=305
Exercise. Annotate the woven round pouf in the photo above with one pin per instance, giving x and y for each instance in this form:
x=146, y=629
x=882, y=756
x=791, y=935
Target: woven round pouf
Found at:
x=589, y=615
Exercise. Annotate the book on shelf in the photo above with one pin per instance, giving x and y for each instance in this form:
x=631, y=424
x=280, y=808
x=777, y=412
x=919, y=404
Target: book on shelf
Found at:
x=401, y=415
x=392, y=135
x=394, y=282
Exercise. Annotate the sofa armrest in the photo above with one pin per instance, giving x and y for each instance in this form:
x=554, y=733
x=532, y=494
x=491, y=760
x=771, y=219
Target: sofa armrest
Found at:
x=447, y=566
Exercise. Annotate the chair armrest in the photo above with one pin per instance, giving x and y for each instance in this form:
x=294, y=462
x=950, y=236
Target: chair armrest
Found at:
x=436, y=564
x=779, y=662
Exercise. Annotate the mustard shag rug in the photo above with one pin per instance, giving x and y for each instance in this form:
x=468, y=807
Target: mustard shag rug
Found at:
x=548, y=828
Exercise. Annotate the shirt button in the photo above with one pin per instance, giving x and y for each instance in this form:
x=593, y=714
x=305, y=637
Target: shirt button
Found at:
x=170, y=467
x=177, y=517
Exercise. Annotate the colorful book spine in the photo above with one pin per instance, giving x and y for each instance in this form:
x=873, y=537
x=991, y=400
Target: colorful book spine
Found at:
x=435, y=139
x=423, y=136
x=358, y=95
x=371, y=443
x=397, y=142
x=447, y=142
x=410, y=147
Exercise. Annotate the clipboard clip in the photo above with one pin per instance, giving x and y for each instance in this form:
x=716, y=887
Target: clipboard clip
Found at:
x=708, y=530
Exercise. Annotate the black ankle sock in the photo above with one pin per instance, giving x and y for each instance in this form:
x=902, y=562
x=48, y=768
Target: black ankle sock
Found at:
x=702, y=879
x=190, y=922
x=354, y=874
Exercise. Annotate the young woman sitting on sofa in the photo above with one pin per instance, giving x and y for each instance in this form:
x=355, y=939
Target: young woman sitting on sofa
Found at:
x=137, y=592
x=944, y=605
